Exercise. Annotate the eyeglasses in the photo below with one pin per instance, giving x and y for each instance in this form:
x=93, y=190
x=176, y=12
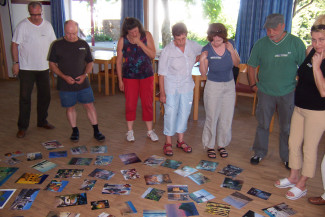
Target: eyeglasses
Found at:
x=318, y=27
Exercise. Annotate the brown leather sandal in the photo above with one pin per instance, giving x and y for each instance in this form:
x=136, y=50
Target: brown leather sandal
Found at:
x=168, y=152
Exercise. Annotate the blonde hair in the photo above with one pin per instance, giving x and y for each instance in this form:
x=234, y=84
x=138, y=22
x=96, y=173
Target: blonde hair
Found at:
x=319, y=24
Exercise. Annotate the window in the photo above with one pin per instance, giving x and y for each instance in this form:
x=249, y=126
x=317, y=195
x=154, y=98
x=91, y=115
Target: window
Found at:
x=106, y=21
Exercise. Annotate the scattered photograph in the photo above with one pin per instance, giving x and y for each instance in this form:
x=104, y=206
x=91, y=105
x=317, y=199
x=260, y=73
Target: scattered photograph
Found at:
x=122, y=189
x=154, y=160
x=214, y=208
x=185, y=171
x=98, y=149
x=201, y=196
x=6, y=173
x=251, y=213
x=25, y=199
x=207, y=165
x=80, y=161
x=50, y=145
x=237, y=200
x=157, y=179
x=127, y=208
x=153, y=194
x=259, y=193
x=154, y=213
x=102, y=174
x=88, y=185
x=5, y=195
x=130, y=174
x=231, y=170
x=232, y=184
x=79, y=150
x=181, y=209
x=100, y=204
x=129, y=158
x=57, y=154
x=71, y=200
x=199, y=178
x=104, y=214
x=178, y=192
x=69, y=173
x=62, y=214
x=103, y=160
x=32, y=178
x=34, y=156
x=12, y=161
x=56, y=185
x=279, y=210
x=173, y=164
x=14, y=154
x=44, y=166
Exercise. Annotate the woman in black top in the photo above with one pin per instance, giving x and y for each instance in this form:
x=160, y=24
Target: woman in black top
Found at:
x=308, y=119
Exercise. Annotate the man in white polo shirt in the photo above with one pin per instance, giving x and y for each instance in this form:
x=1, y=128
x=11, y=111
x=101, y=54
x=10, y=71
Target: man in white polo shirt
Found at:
x=30, y=45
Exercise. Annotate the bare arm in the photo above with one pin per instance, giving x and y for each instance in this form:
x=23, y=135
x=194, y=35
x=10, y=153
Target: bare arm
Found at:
x=318, y=74
x=54, y=68
x=119, y=60
x=234, y=55
x=252, y=77
x=162, y=89
x=15, y=58
x=204, y=63
x=148, y=49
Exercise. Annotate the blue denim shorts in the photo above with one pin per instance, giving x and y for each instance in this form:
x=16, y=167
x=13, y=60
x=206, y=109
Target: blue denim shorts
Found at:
x=70, y=98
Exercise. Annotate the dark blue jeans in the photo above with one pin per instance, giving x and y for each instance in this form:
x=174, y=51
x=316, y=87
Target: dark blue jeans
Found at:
x=27, y=80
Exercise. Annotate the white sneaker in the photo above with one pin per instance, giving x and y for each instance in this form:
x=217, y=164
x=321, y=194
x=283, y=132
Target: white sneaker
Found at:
x=130, y=136
x=152, y=135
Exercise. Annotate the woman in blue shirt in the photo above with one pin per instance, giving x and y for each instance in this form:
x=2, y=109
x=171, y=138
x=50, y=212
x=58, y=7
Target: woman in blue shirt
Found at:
x=217, y=60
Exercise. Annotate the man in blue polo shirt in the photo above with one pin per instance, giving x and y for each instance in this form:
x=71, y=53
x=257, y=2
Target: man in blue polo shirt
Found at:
x=278, y=55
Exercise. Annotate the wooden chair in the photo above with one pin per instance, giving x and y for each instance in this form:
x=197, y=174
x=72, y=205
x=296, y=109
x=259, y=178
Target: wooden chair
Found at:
x=156, y=91
x=242, y=85
x=112, y=74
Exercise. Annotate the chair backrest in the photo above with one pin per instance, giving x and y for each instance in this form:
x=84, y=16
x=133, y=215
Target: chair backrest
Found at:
x=243, y=75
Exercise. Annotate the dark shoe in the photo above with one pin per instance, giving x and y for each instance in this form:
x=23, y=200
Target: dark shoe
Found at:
x=99, y=137
x=316, y=200
x=74, y=137
x=212, y=153
x=21, y=133
x=255, y=160
x=223, y=153
x=47, y=126
x=286, y=164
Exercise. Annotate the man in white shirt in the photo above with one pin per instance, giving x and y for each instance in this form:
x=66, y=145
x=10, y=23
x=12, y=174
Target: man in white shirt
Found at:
x=30, y=45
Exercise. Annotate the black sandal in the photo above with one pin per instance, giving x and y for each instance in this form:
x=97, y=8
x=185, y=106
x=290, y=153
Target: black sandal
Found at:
x=212, y=153
x=223, y=153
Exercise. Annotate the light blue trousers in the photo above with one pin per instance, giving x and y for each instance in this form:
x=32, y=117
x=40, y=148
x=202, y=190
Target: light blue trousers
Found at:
x=177, y=110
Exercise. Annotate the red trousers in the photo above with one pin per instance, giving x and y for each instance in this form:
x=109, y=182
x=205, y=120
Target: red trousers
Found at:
x=132, y=89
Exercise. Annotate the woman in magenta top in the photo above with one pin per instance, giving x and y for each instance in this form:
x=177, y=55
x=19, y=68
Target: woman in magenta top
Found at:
x=135, y=73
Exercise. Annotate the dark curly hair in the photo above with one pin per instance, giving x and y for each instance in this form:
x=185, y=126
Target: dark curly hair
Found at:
x=131, y=23
x=217, y=29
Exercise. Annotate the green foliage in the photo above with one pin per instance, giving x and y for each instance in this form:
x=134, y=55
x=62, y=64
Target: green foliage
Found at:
x=212, y=9
x=194, y=37
x=304, y=19
x=102, y=37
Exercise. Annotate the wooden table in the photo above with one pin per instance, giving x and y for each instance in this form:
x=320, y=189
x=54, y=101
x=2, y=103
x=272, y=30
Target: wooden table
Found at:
x=103, y=57
x=197, y=77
